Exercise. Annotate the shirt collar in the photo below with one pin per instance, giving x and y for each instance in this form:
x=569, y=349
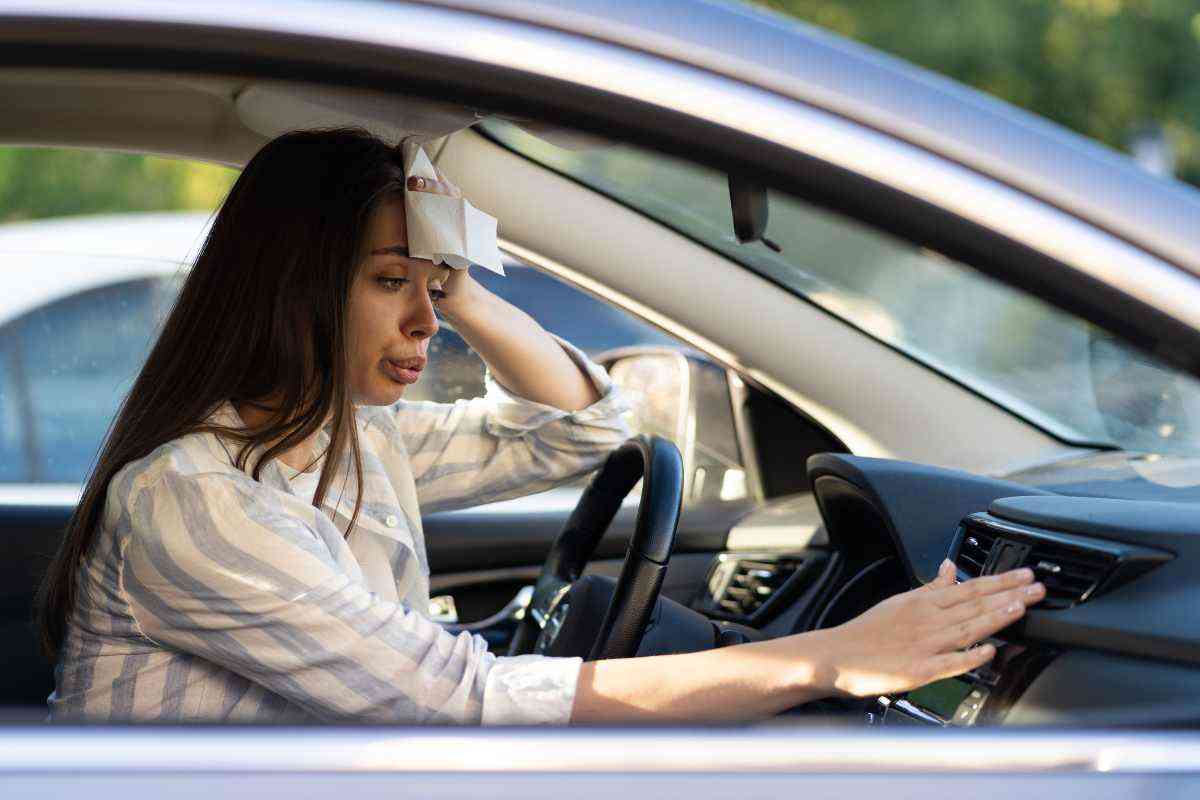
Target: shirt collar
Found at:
x=379, y=496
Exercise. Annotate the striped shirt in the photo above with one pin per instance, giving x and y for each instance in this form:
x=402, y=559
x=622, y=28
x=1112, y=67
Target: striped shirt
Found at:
x=207, y=595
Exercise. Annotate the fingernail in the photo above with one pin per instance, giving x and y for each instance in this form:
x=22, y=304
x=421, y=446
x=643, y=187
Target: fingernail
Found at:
x=1026, y=572
x=1034, y=589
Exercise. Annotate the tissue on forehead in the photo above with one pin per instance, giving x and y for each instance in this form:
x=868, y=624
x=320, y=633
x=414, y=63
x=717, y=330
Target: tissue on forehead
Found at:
x=446, y=230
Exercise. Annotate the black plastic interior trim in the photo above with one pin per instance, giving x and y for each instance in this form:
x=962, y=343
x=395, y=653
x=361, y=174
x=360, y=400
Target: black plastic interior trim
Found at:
x=853, y=598
x=1129, y=561
x=872, y=506
x=784, y=437
x=1083, y=688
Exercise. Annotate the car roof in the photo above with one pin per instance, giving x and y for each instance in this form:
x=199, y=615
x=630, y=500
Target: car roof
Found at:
x=68, y=255
x=1072, y=172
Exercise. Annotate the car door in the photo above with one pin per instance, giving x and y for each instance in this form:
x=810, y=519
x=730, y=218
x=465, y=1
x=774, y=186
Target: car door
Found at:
x=813, y=152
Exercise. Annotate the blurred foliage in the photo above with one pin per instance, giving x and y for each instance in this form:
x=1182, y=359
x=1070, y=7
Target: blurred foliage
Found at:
x=36, y=182
x=1104, y=68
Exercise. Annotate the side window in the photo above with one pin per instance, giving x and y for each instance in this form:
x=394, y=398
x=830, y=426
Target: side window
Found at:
x=593, y=326
x=675, y=393
x=14, y=465
x=719, y=471
x=92, y=243
x=67, y=365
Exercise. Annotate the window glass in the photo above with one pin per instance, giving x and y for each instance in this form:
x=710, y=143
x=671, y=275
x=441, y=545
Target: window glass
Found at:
x=71, y=362
x=73, y=340
x=13, y=462
x=687, y=401
x=718, y=473
x=84, y=282
x=592, y=325
x=1055, y=370
x=85, y=294
x=682, y=399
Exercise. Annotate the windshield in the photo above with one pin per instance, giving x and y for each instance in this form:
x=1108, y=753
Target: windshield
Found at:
x=1059, y=372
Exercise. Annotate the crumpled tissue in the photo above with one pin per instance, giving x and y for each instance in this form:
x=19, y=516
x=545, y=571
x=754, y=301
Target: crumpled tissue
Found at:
x=446, y=230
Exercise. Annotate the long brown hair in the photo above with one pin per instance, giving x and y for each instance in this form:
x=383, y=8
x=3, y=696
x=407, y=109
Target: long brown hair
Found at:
x=261, y=314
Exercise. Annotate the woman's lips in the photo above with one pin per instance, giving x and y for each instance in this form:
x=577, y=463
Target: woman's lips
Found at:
x=406, y=372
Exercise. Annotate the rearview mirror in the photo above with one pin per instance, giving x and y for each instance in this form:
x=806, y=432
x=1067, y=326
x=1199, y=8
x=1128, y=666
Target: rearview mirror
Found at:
x=748, y=201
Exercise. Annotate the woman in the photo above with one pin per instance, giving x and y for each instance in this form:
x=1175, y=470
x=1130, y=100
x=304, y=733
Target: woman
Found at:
x=249, y=544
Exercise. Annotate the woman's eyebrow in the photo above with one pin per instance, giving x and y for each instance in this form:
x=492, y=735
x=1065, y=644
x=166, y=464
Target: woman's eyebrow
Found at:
x=394, y=250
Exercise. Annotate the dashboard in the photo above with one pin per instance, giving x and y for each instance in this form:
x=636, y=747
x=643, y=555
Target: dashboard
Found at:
x=1116, y=641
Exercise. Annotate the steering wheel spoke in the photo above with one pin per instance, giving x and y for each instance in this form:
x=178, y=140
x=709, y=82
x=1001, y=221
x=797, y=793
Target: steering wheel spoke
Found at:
x=546, y=595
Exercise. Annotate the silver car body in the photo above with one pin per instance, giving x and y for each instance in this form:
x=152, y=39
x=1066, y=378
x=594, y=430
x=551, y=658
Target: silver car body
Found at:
x=752, y=78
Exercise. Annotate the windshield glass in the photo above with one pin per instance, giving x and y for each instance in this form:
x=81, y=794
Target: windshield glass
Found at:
x=1059, y=372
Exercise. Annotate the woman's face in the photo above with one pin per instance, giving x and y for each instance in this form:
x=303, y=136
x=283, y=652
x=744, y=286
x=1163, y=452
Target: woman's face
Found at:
x=390, y=315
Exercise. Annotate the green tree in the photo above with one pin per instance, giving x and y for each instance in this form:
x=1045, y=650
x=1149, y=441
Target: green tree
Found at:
x=37, y=183
x=1103, y=68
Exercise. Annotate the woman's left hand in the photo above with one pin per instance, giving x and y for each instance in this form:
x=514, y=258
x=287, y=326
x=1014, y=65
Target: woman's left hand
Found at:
x=519, y=353
x=458, y=285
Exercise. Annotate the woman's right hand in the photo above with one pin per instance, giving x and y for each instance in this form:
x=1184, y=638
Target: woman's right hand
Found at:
x=921, y=636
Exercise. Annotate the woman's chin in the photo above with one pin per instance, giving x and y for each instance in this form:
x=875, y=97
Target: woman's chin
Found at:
x=382, y=395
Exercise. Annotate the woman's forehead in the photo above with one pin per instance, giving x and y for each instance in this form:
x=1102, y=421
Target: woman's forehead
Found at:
x=387, y=226
x=389, y=234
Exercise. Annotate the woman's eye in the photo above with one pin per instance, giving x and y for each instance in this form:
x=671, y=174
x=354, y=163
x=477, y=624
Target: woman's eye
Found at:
x=393, y=284
x=437, y=294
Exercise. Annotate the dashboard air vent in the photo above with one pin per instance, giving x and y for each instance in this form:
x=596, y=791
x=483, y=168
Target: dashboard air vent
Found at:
x=1070, y=574
x=973, y=553
x=738, y=586
x=1073, y=568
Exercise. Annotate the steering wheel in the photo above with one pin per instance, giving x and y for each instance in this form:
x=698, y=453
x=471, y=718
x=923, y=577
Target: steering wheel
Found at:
x=591, y=617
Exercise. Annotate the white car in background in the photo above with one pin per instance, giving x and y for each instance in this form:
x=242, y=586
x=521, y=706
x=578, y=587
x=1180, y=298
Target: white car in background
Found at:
x=80, y=300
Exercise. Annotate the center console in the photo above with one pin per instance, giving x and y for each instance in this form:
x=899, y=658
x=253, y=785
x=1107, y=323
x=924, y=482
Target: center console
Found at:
x=982, y=696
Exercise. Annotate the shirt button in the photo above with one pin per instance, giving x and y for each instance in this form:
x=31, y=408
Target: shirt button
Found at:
x=392, y=520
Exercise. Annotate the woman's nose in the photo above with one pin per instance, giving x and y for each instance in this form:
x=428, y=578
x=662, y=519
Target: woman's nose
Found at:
x=421, y=322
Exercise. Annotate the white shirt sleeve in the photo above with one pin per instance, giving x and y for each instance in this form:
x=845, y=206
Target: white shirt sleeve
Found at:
x=212, y=567
x=501, y=445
